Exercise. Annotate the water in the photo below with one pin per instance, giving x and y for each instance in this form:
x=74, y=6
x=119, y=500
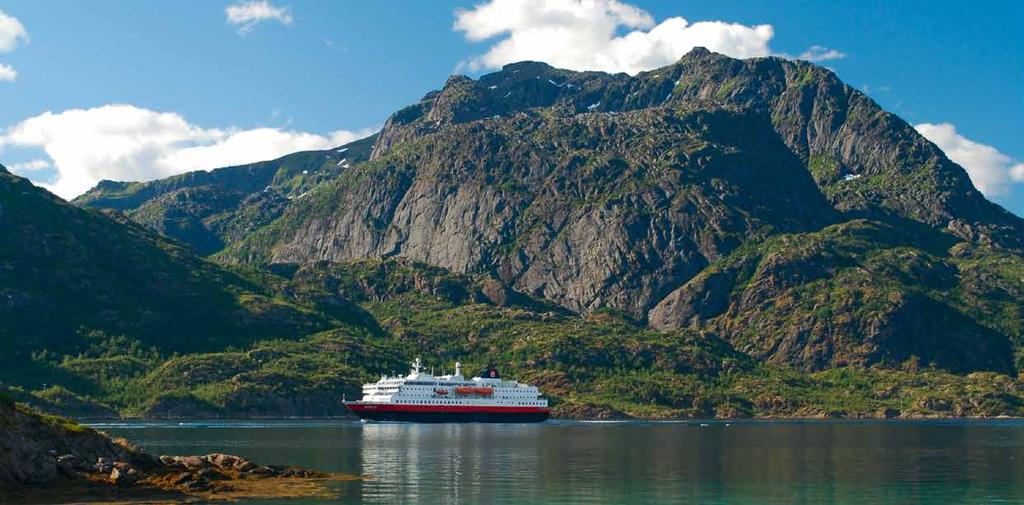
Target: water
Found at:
x=759, y=462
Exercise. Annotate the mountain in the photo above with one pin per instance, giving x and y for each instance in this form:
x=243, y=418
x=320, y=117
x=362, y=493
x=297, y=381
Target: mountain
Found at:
x=76, y=281
x=610, y=191
x=718, y=237
x=207, y=210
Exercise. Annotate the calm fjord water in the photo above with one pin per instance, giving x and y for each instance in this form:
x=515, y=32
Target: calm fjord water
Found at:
x=756, y=462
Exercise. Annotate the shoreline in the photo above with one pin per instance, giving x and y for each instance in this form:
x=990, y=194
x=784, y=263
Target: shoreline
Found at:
x=151, y=491
x=169, y=422
x=50, y=459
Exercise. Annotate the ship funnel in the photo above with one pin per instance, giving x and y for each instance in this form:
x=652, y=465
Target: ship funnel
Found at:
x=458, y=368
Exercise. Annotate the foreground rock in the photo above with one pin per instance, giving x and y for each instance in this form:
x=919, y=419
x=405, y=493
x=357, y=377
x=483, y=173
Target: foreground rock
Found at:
x=45, y=459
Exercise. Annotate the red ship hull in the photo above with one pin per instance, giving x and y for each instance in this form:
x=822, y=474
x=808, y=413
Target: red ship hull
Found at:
x=447, y=413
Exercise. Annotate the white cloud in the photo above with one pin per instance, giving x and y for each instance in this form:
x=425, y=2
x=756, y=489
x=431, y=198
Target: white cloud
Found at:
x=991, y=171
x=247, y=146
x=7, y=73
x=128, y=143
x=11, y=33
x=246, y=15
x=583, y=35
x=821, y=53
x=28, y=166
x=587, y=35
x=869, y=89
x=1017, y=172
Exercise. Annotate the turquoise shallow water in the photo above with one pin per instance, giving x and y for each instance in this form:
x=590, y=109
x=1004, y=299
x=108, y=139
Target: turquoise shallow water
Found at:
x=748, y=462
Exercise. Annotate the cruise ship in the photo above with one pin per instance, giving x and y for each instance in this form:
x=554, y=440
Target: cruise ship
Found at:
x=423, y=397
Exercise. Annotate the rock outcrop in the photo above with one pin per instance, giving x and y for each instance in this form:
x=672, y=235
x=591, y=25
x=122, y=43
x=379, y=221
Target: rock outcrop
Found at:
x=53, y=459
x=36, y=448
x=857, y=293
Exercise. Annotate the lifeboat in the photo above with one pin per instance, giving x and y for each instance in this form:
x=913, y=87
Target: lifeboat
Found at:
x=440, y=391
x=474, y=391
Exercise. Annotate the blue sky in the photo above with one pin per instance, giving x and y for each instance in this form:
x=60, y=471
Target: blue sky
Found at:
x=304, y=74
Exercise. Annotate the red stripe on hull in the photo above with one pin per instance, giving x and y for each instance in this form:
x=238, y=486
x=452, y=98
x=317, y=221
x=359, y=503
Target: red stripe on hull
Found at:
x=444, y=409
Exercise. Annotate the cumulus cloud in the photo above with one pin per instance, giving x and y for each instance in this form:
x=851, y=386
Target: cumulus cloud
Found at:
x=991, y=171
x=1017, y=172
x=246, y=15
x=11, y=34
x=7, y=73
x=128, y=143
x=588, y=35
x=583, y=35
x=821, y=53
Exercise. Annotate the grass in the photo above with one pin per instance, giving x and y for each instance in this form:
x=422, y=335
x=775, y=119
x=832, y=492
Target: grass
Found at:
x=606, y=359
x=825, y=169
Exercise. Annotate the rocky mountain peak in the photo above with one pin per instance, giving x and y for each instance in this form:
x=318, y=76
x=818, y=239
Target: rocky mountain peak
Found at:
x=697, y=52
x=869, y=162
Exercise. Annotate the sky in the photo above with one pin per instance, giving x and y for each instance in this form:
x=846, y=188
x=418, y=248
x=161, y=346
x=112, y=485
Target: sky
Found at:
x=107, y=89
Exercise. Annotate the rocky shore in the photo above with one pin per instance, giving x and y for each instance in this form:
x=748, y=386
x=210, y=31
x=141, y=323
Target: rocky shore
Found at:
x=48, y=459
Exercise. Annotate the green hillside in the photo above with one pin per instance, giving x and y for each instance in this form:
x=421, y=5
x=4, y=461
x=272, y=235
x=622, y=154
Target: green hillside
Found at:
x=718, y=237
x=80, y=281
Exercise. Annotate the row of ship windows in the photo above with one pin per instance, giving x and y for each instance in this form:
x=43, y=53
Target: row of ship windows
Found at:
x=407, y=389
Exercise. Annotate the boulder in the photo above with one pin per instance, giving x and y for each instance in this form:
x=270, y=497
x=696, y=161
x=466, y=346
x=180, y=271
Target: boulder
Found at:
x=222, y=460
x=496, y=292
x=889, y=413
x=191, y=462
x=104, y=465
x=124, y=475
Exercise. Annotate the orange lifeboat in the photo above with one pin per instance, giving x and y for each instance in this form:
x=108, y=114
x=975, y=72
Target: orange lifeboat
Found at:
x=474, y=391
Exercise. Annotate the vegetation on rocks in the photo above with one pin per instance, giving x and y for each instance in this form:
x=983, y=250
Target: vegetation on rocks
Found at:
x=207, y=210
x=49, y=459
x=718, y=237
x=602, y=365
x=75, y=281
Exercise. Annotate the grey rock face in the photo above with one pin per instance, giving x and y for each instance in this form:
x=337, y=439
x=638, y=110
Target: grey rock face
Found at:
x=33, y=451
x=596, y=190
x=581, y=218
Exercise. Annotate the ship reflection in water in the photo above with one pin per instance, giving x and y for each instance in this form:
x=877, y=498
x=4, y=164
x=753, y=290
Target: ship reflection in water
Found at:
x=745, y=463
x=762, y=463
x=443, y=463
